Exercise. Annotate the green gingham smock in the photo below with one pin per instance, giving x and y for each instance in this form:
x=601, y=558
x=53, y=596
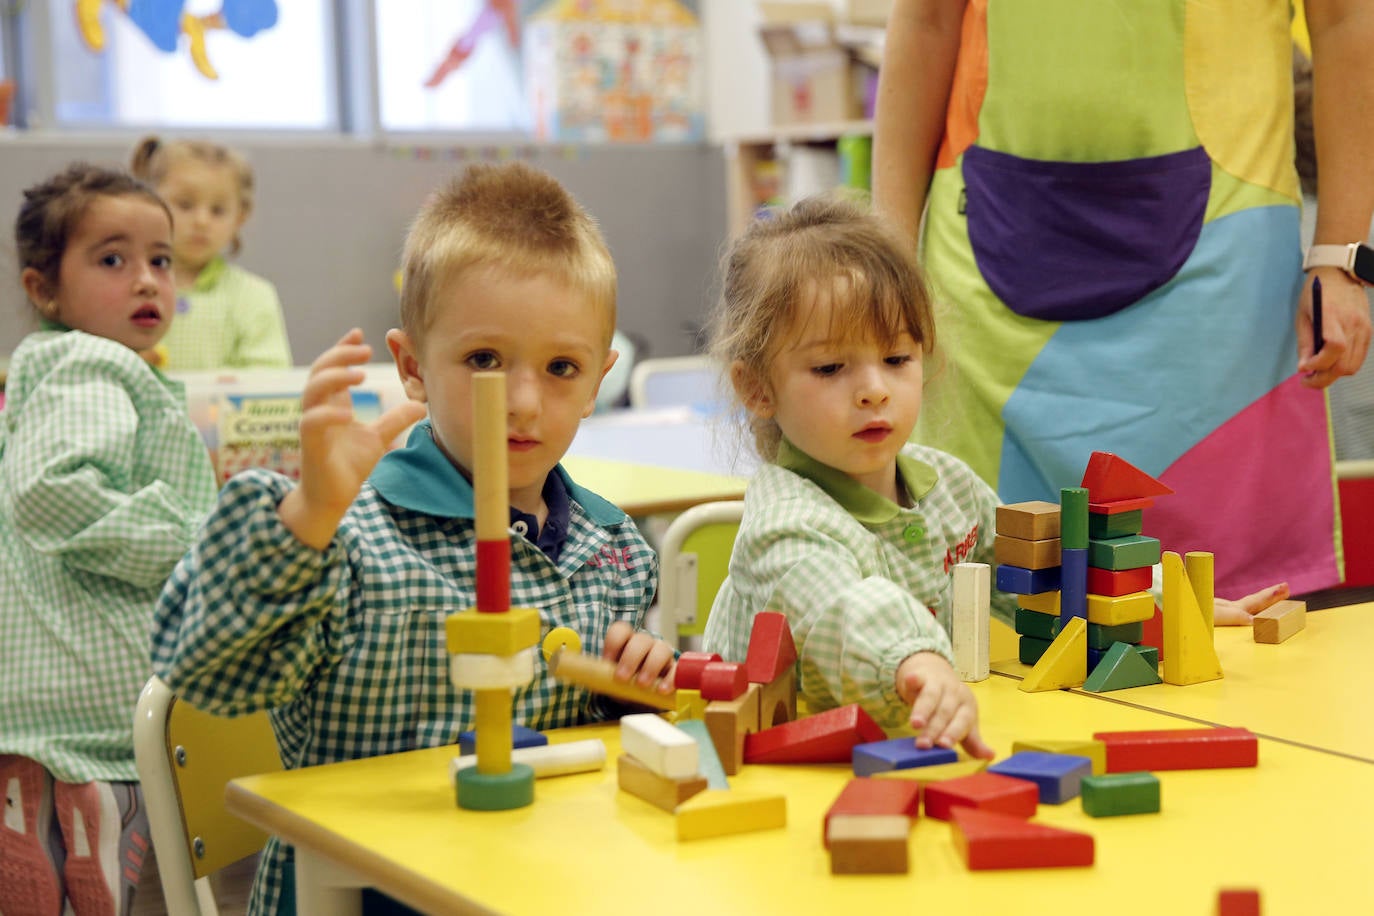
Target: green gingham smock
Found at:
x=346, y=646
x=228, y=319
x=103, y=481
x=864, y=582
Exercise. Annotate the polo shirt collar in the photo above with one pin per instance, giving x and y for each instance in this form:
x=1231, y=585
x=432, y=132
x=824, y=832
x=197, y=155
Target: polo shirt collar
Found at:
x=210, y=274
x=420, y=477
x=863, y=504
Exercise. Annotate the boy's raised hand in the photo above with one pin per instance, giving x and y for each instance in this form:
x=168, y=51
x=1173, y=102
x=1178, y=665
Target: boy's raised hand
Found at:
x=337, y=450
x=943, y=710
x=640, y=657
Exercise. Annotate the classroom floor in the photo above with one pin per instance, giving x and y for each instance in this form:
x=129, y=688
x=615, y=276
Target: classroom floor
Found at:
x=232, y=886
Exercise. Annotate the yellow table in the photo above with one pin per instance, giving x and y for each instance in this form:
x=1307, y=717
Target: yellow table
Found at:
x=1315, y=689
x=641, y=489
x=1296, y=826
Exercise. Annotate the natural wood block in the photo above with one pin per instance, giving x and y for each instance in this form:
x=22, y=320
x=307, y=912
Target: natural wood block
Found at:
x=1275, y=624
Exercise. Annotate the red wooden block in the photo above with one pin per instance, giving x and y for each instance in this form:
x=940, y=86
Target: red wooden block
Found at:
x=690, y=665
x=984, y=791
x=874, y=796
x=1238, y=902
x=1153, y=632
x=990, y=839
x=771, y=649
x=1180, y=749
x=724, y=681
x=1122, y=505
x=827, y=737
x=1110, y=478
x=1117, y=582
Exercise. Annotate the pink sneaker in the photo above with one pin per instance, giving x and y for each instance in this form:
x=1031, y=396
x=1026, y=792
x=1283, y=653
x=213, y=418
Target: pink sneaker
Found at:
x=30, y=850
x=106, y=834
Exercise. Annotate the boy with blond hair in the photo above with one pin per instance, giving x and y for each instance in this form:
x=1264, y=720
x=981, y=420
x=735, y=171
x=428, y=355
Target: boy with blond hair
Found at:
x=325, y=601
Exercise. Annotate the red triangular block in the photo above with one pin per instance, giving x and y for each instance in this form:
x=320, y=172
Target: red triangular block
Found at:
x=771, y=649
x=828, y=737
x=1110, y=478
x=989, y=839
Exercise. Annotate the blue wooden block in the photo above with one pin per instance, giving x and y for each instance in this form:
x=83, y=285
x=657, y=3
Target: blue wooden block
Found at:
x=520, y=737
x=1059, y=776
x=1021, y=581
x=1073, y=584
x=897, y=754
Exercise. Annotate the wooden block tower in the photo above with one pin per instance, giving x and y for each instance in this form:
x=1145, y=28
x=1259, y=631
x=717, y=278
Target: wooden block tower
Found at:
x=492, y=646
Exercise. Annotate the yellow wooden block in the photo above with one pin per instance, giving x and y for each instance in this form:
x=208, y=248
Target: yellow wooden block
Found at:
x=721, y=812
x=1114, y=610
x=1280, y=621
x=1043, y=603
x=1189, y=656
x=1199, y=565
x=492, y=634
x=1095, y=751
x=1065, y=662
x=690, y=705
x=937, y=773
x=1032, y=520
x=1027, y=554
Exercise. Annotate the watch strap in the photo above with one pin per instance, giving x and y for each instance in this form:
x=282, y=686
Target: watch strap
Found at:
x=1342, y=256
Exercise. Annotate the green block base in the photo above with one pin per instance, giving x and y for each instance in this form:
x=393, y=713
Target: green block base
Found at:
x=496, y=791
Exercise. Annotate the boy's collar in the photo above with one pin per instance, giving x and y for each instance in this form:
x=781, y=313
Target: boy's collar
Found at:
x=421, y=478
x=210, y=274
x=858, y=500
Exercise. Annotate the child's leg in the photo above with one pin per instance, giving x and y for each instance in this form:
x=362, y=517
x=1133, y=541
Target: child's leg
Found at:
x=106, y=833
x=30, y=847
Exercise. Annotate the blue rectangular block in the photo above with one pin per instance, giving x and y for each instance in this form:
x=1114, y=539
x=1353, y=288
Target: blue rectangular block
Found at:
x=1021, y=581
x=1073, y=584
x=520, y=737
x=897, y=754
x=1059, y=776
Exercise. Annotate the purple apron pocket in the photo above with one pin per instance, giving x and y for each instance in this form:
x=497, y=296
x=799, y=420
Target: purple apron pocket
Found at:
x=1069, y=241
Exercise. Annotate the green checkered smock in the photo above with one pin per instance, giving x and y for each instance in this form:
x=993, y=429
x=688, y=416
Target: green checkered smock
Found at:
x=347, y=646
x=864, y=583
x=229, y=319
x=103, y=481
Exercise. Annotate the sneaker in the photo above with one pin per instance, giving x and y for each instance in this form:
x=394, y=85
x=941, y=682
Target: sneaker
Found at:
x=30, y=847
x=105, y=830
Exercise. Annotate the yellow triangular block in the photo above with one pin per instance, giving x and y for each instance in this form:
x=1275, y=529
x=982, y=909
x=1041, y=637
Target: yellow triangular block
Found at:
x=1189, y=655
x=1065, y=662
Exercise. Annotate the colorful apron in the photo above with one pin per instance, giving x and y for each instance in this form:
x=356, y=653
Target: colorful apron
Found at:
x=1113, y=233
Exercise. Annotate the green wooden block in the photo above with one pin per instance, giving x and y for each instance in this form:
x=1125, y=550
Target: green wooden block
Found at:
x=1126, y=552
x=1120, y=668
x=1034, y=623
x=1150, y=654
x=495, y=791
x=1030, y=649
x=1073, y=518
x=1102, y=637
x=1120, y=793
x=1102, y=525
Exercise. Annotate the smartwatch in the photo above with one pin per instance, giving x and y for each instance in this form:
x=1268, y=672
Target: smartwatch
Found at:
x=1356, y=259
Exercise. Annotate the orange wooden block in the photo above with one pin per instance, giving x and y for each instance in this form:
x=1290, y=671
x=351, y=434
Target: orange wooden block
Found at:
x=990, y=839
x=1027, y=554
x=868, y=844
x=659, y=791
x=1032, y=521
x=771, y=649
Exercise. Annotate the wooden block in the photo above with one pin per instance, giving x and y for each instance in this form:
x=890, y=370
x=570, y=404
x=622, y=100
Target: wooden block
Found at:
x=1057, y=776
x=709, y=764
x=1073, y=585
x=1100, y=637
x=868, y=844
x=1029, y=554
x=827, y=737
x=940, y=772
x=476, y=671
x=724, y=681
x=992, y=840
x=659, y=791
x=778, y=700
x=971, y=619
x=1125, y=552
x=898, y=754
x=771, y=649
x=585, y=756
x=1095, y=751
x=1120, y=668
x=659, y=745
x=1189, y=655
x=520, y=737
x=1200, y=566
x=717, y=812
x=874, y=796
x=1073, y=518
x=1119, y=581
x=729, y=721
x=1179, y=749
x=690, y=665
x=598, y=675
x=1030, y=649
x=1118, y=506
x=492, y=634
x=1103, y=525
x=1021, y=581
x=1238, y=902
x=1043, y=603
x=1064, y=664
x=1034, y=623
x=1032, y=521
x=1276, y=623
x=1115, y=610
x=987, y=791
x=690, y=705
x=1120, y=793
x=1110, y=477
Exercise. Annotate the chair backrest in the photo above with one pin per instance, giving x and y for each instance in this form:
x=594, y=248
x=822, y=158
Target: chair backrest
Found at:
x=185, y=757
x=694, y=559
x=674, y=381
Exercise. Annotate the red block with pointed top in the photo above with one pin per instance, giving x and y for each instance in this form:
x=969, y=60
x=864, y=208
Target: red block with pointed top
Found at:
x=771, y=649
x=990, y=840
x=1110, y=478
x=828, y=737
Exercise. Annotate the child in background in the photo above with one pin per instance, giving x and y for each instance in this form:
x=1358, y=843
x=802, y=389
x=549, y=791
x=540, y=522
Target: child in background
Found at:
x=326, y=601
x=226, y=317
x=103, y=481
x=847, y=529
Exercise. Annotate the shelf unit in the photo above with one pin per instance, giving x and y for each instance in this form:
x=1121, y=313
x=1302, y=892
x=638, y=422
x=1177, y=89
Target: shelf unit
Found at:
x=745, y=153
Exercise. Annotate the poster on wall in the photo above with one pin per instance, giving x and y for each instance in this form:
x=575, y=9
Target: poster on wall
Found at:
x=166, y=21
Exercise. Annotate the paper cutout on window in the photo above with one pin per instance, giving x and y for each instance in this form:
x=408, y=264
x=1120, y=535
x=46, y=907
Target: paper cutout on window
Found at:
x=164, y=22
x=494, y=13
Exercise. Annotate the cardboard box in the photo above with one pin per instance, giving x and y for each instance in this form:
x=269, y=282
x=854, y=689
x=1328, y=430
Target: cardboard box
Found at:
x=814, y=78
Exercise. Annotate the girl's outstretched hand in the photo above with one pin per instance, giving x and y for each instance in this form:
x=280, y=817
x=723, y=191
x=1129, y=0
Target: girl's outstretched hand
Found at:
x=943, y=710
x=1241, y=613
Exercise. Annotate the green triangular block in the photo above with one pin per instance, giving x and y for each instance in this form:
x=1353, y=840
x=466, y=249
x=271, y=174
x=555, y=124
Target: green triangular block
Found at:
x=1120, y=668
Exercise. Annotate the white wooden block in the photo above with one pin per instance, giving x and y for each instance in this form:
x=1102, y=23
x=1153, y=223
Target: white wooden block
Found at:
x=477, y=671
x=970, y=620
x=659, y=745
x=549, y=759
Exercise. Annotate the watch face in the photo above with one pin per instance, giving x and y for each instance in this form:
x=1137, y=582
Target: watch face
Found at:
x=1364, y=263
